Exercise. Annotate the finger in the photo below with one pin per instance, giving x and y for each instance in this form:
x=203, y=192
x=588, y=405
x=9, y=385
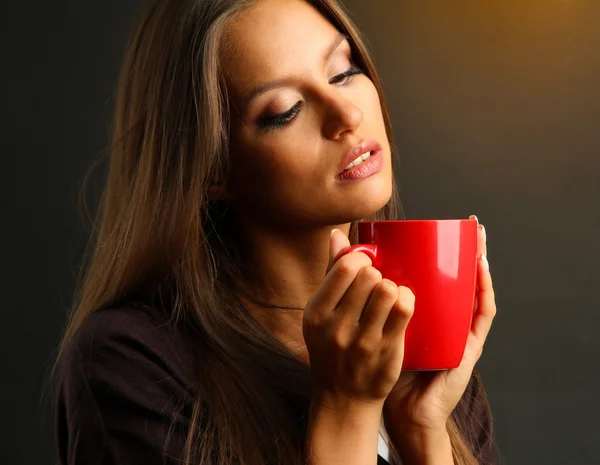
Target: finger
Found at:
x=355, y=299
x=338, y=243
x=378, y=309
x=484, y=240
x=486, y=300
x=338, y=280
x=480, y=236
x=401, y=313
x=486, y=310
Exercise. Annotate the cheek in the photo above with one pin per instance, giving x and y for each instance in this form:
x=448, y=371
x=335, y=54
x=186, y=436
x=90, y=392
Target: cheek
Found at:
x=373, y=104
x=271, y=162
x=288, y=152
x=261, y=171
x=373, y=116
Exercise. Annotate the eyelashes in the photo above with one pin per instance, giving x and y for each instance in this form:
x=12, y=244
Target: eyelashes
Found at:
x=277, y=121
x=346, y=76
x=270, y=123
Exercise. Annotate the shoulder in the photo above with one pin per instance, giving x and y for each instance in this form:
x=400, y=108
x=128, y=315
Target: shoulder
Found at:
x=124, y=381
x=127, y=343
x=131, y=322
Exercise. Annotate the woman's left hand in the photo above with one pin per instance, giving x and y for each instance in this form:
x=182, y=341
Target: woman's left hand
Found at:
x=423, y=401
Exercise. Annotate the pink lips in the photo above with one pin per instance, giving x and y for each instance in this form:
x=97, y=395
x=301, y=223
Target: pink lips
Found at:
x=367, y=168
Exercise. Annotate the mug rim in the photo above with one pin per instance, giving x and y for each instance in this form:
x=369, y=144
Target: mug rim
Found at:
x=444, y=220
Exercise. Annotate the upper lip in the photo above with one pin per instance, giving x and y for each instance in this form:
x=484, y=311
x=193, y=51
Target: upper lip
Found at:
x=363, y=147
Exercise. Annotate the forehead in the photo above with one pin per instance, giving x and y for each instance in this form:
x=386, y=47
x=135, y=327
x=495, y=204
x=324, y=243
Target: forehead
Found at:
x=273, y=38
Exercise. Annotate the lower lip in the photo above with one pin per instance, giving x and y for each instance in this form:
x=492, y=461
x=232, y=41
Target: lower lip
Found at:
x=366, y=169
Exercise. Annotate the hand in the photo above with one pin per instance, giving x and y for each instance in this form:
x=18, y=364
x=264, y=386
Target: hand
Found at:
x=352, y=325
x=423, y=401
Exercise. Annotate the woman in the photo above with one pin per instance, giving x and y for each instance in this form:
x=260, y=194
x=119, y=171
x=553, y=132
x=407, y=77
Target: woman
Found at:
x=220, y=320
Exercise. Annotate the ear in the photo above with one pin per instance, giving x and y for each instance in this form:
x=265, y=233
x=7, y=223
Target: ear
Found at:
x=218, y=192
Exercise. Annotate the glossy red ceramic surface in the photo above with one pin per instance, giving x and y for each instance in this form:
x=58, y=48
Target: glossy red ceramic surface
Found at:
x=437, y=260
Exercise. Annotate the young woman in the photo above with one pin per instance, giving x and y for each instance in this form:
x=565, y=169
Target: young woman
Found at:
x=219, y=320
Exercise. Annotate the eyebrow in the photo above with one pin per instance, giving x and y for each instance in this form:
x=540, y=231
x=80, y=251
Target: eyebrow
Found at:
x=340, y=38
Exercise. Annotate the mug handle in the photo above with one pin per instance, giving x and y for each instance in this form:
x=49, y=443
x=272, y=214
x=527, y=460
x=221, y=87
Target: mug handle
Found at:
x=370, y=250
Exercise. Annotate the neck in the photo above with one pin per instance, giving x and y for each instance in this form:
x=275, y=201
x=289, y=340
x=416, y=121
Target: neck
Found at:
x=281, y=272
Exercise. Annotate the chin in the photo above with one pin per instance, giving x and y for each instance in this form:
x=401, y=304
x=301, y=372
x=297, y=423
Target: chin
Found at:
x=367, y=201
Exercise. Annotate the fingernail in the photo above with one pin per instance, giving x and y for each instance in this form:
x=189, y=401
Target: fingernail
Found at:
x=473, y=217
x=484, y=234
x=332, y=231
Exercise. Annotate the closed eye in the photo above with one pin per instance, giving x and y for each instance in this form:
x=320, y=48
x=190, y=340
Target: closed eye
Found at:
x=346, y=77
x=269, y=123
x=276, y=121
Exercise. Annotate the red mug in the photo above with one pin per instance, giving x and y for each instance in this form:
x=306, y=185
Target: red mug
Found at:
x=437, y=260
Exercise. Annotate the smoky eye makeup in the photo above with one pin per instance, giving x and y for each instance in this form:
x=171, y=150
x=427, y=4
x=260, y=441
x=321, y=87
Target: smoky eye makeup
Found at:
x=346, y=76
x=271, y=122
x=276, y=121
x=343, y=58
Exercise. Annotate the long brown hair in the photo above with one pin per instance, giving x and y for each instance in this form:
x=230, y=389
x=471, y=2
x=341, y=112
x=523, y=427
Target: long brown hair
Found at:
x=159, y=239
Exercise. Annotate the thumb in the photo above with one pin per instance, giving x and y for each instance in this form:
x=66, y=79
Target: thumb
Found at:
x=338, y=243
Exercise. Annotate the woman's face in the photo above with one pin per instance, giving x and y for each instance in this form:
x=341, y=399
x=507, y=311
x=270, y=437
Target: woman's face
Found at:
x=299, y=107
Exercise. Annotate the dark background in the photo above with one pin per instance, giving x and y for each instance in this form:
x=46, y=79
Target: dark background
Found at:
x=496, y=106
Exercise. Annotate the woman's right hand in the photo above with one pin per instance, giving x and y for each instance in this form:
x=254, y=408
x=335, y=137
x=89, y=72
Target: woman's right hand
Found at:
x=354, y=327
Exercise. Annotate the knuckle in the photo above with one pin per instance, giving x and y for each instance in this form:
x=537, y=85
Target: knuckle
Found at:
x=405, y=311
x=312, y=321
x=339, y=339
x=344, y=268
x=406, y=300
x=387, y=290
x=371, y=274
x=362, y=258
x=349, y=265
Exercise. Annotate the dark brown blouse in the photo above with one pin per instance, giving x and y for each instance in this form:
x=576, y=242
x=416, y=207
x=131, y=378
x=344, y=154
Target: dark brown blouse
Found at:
x=124, y=379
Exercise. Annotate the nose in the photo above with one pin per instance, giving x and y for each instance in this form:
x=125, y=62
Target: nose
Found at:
x=342, y=116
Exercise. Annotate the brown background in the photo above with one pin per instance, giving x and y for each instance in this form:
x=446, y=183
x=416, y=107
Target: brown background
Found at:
x=496, y=106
